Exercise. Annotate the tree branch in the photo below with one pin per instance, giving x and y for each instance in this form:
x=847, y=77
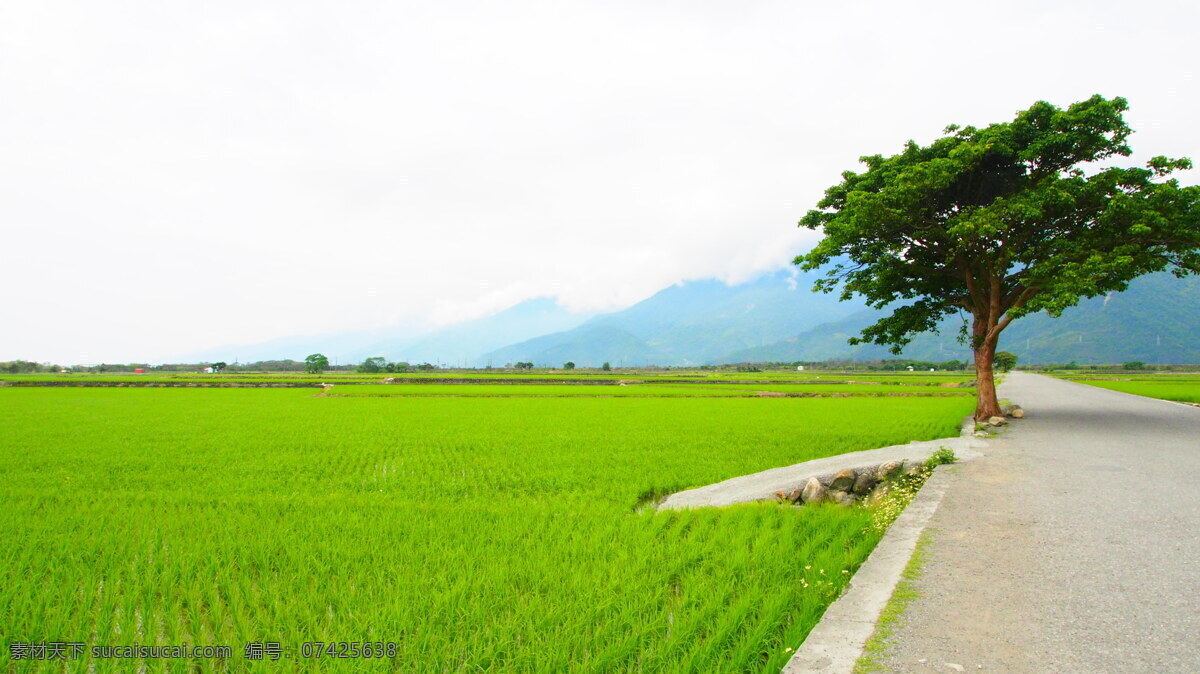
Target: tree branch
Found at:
x=1024, y=297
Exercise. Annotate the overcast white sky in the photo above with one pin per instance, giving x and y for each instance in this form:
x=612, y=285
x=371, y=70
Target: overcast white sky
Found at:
x=176, y=176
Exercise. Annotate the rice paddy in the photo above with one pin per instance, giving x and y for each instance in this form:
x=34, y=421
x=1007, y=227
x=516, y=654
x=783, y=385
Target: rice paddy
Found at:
x=469, y=533
x=1178, y=387
x=639, y=390
x=566, y=377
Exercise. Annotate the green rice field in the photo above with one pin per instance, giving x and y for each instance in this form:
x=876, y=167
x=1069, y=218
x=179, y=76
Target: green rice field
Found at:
x=656, y=390
x=465, y=533
x=552, y=390
x=571, y=377
x=1178, y=387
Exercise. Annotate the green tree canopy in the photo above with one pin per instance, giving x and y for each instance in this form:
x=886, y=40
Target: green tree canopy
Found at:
x=1005, y=360
x=993, y=223
x=373, y=365
x=316, y=363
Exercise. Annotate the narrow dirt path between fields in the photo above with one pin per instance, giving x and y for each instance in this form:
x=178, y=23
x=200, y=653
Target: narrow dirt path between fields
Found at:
x=1072, y=546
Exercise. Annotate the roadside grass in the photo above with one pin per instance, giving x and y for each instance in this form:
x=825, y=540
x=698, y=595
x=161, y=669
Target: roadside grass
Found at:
x=905, y=591
x=474, y=533
x=891, y=618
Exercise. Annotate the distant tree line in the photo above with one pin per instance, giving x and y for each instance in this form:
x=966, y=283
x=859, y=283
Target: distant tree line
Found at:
x=27, y=367
x=569, y=365
x=377, y=364
x=287, y=365
x=317, y=363
x=883, y=365
x=1130, y=366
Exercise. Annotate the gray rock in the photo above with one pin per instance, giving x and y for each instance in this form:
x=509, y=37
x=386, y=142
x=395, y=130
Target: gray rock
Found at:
x=889, y=470
x=996, y=421
x=843, y=481
x=795, y=495
x=1013, y=411
x=865, y=483
x=913, y=467
x=841, y=497
x=814, y=491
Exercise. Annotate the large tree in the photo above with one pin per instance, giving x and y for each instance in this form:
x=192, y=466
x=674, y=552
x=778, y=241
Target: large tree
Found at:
x=997, y=222
x=316, y=363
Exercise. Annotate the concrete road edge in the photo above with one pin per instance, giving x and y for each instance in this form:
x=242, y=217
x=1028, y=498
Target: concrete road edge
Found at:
x=838, y=640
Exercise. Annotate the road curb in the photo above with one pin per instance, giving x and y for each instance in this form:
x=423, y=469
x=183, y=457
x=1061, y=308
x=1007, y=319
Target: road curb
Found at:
x=763, y=485
x=838, y=640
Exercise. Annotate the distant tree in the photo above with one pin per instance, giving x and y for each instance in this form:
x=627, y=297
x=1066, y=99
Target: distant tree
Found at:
x=952, y=365
x=426, y=367
x=1135, y=365
x=1005, y=360
x=569, y=365
x=24, y=366
x=372, y=365
x=219, y=365
x=1002, y=221
x=606, y=366
x=316, y=363
x=524, y=366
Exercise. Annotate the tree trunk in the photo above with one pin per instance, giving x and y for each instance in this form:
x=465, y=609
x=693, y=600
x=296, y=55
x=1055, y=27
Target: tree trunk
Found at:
x=985, y=382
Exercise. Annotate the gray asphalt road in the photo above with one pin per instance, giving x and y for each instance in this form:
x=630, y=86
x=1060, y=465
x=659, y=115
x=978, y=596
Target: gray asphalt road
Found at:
x=1072, y=546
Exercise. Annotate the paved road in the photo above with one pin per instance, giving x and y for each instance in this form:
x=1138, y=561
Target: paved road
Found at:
x=1072, y=546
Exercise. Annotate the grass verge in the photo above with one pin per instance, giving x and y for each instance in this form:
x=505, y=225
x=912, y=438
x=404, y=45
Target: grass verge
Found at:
x=890, y=619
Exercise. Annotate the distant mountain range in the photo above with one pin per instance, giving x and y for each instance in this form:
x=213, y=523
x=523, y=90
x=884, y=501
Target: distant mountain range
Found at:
x=772, y=318
x=461, y=344
x=690, y=323
x=1157, y=320
x=458, y=344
